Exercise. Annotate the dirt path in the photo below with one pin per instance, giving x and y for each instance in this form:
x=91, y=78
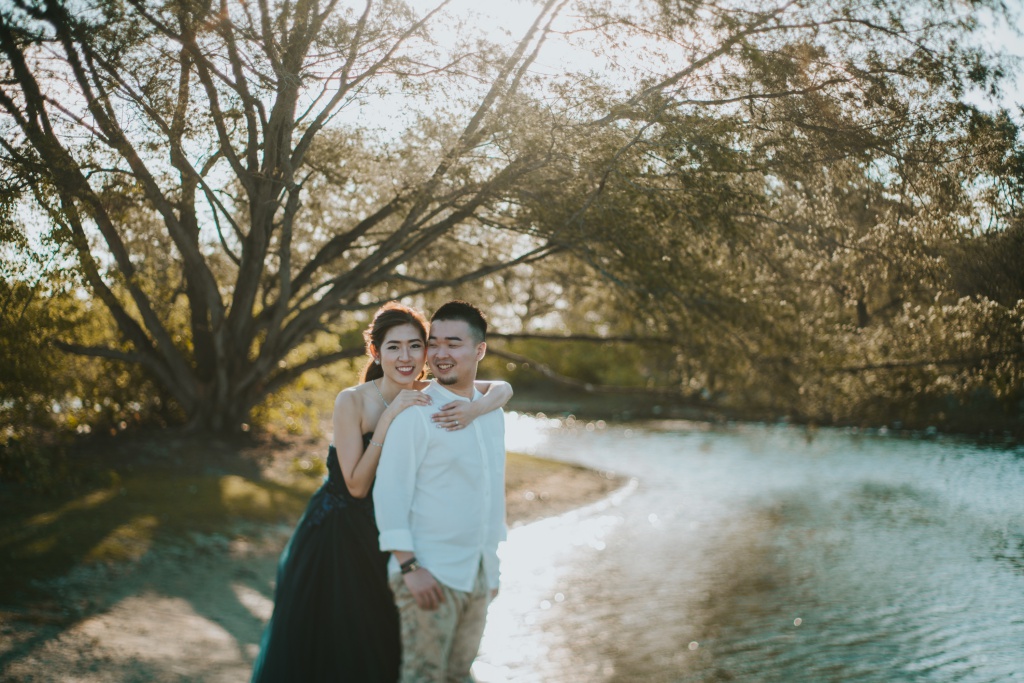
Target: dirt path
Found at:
x=189, y=613
x=195, y=610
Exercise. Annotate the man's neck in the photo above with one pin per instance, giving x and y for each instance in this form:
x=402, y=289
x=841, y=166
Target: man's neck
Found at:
x=460, y=389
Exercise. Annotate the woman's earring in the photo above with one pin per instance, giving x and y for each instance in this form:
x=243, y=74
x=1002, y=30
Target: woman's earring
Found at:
x=377, y=361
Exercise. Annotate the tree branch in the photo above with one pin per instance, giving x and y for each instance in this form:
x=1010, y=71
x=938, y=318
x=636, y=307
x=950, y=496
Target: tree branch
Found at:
x=590, y=387
x=289, y=375
x=101, y=352
x=596, y=339
x=972, y=361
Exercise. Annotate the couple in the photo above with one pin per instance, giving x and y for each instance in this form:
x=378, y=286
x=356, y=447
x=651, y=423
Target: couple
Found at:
x=409, y=602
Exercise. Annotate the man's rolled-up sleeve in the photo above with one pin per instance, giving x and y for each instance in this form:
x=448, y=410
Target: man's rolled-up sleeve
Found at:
x=396, y=480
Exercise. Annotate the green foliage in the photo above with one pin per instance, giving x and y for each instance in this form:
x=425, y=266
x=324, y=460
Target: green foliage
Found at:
x=306, y=405
x=47, y=396
x=792, y=205
x=33, y=307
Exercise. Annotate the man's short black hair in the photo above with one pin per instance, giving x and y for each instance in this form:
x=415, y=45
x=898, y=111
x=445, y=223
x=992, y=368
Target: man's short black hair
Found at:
x=467, y=313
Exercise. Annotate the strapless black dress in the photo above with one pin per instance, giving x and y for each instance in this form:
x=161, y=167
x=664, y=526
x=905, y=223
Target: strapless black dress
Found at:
x=334, y=614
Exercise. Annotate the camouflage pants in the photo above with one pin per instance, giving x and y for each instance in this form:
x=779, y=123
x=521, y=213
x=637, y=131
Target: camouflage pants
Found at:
x=439, y=646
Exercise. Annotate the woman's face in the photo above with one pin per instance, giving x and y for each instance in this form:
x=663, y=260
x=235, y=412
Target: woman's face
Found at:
x=403, y=353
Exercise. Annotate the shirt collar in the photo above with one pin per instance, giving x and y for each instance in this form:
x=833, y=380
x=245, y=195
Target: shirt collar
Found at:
x=451, y=395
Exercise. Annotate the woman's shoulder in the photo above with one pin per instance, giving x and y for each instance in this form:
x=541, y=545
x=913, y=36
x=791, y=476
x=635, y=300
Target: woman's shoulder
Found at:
x=351, y=397
x=353, y=410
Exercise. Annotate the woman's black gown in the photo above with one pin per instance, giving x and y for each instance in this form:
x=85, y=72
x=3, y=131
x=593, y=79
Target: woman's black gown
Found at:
x=334, y=614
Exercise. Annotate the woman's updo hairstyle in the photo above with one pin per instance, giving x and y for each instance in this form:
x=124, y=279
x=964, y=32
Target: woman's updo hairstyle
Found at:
x=388, y=316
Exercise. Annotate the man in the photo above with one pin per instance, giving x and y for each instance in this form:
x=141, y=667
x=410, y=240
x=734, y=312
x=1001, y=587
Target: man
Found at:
x=440, y=504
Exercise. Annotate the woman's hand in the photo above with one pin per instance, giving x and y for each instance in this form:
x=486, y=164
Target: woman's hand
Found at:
x=455, y=415
x=407, y=398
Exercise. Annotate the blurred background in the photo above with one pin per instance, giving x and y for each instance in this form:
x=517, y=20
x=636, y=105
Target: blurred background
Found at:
x=716, y=211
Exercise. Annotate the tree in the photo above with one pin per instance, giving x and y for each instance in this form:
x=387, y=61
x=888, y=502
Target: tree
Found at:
x=849, y=176
x=224, y=210
x=127, y=117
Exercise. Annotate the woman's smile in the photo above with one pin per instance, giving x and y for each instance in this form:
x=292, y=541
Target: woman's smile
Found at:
x=406, y=369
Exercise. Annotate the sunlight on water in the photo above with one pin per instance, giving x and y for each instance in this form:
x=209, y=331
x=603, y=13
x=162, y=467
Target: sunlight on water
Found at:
x=526, y=433
x=534, y=561
x=764, y=552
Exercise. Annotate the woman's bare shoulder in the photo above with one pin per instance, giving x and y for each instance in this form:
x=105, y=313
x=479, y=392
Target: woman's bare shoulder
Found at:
x=350, y=397
x=351, y=409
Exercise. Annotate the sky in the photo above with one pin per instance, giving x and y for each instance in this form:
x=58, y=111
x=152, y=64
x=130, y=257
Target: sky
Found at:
x=515, y=16
x=1004, y=39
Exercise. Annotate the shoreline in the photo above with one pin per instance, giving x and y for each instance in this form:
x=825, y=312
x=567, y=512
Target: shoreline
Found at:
x=994, y=429
x=192, y=606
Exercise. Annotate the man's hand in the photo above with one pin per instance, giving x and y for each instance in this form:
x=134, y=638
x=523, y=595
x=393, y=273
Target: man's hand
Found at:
x=425, y=588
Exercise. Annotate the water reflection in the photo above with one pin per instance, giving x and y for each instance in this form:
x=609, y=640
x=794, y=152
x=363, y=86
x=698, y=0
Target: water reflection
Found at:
x=536, y=560
x=757, y=554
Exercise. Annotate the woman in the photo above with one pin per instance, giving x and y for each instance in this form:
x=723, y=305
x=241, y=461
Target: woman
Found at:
x=334, y=615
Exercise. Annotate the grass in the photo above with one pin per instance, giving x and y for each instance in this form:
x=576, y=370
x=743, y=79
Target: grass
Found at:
x=136, y=491
x=157, y=488
x=43, y=537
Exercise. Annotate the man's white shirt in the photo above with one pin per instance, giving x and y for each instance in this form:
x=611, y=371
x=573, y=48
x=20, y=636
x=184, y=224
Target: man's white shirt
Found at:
x=441, y=494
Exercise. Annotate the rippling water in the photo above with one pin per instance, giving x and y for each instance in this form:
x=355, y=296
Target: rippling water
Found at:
x=760, y=553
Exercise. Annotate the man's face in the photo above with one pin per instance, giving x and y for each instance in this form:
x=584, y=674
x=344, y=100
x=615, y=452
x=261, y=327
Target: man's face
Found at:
x=453, y=352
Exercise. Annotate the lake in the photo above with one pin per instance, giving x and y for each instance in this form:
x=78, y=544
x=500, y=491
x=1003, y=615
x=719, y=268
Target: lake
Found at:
x=766, y=553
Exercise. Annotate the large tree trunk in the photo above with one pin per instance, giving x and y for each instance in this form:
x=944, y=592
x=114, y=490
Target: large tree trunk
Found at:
x=217, y=411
